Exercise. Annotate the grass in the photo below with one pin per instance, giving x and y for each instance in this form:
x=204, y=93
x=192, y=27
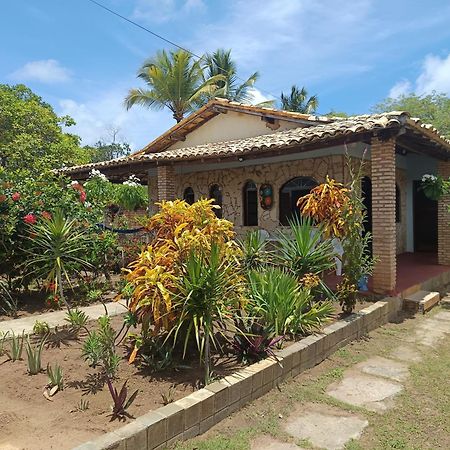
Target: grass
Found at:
x=419, y=420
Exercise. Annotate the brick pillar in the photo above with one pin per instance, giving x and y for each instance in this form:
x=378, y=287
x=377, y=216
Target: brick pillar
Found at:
x=383, y=214
x=444, y=218
x=166, y=182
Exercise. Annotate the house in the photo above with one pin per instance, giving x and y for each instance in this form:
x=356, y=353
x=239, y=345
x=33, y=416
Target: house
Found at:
x=256, y=162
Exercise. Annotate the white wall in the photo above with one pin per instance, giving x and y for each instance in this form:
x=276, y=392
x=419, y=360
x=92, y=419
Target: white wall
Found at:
x=226, y=127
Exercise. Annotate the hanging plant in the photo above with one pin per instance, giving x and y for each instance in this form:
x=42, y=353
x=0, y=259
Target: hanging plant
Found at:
x=266, y=196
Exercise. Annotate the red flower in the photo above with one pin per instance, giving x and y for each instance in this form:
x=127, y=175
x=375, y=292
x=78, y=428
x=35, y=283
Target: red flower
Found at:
x=15, y=196
x=82, y=196
x=30, y=219
x=2, y=198
x=46, y=215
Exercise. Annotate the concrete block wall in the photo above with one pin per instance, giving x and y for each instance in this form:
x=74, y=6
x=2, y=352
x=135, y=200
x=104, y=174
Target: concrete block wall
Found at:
x=199, y=411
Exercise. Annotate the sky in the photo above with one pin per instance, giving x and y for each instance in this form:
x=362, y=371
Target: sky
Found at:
x=351, y=53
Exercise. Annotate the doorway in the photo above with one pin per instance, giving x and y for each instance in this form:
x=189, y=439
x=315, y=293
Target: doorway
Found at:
x=425, y=216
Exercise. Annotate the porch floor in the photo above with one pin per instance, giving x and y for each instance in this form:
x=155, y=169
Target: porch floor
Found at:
x=412, y=269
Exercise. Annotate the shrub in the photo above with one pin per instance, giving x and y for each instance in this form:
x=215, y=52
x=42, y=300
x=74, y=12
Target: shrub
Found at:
x=282, y=305
x=303, y=250
x=99, y=347
x=57, y=251
x=178, y=229
x=77, y=319
x=209, y=294
x=41, y=328
x=255, y=254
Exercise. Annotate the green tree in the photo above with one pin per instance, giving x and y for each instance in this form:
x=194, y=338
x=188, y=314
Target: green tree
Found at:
x=175, y=82
x=220, y=63
x=433, y=108
x=109, y=147
x=31, y=135
x=298, y=100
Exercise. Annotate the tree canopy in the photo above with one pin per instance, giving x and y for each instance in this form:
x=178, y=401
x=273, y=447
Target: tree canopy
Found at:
x=174, y=81
x=298, y=100
x=221, y=63
x=433, y=108
x=31, y=134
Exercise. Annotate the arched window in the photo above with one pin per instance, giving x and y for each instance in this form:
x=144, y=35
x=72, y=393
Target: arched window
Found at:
x=250, y=204
x=290, y=192
x=188, y=195
x=398, y=217
x=216, y=193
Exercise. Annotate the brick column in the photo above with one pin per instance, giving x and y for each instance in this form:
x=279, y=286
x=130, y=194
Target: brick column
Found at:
x=383, y=214
x=166, y=183
x=444, y=218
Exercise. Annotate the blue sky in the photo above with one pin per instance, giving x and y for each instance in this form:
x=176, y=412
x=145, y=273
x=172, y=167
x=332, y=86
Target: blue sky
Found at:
x=351, y=53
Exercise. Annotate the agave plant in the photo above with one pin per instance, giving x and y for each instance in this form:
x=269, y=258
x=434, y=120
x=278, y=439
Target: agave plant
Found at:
x=284, y=306
x=8, y=303
x=120, y=401
x=57, y=247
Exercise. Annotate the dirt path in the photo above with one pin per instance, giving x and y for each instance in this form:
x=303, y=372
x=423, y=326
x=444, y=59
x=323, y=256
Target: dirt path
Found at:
x=387, y=391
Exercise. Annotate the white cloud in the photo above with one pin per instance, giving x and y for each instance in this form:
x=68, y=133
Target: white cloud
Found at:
x=258, y=96
x=434, y=76
x=105, y=111
x=400, y=88
x=44, y=71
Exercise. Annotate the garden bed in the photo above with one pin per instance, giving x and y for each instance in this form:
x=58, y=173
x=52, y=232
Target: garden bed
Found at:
x=27, y=417
x=29, y=421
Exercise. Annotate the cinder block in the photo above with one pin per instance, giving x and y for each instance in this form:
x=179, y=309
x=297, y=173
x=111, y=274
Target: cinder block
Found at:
x=157, y=429
x=110, y=441
x=133, y=435
x=222, y=414
x=206, y=424
x=175, y=439
x=234, y=387
x=220, y=389
x=206, y=398
x=245, y=400
x=191, y=432
x=192, y=410
x=234, y=407
x=175, y=419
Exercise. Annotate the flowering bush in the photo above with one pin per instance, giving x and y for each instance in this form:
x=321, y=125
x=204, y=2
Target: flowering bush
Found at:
x=434, y=187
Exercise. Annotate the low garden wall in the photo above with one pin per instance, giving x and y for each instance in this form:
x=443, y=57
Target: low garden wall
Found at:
x=199, y=411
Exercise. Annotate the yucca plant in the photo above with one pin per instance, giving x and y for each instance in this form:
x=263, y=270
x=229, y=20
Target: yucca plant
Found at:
x=302, y=249
x=57, y=249
x=210, y=291
x=284, y=306
x=16, y=346
x=34, y=354
x=255, y=254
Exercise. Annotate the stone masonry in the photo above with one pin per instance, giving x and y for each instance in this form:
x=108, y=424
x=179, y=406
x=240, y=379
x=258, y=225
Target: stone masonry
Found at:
x=383, y=214
x=444, y=218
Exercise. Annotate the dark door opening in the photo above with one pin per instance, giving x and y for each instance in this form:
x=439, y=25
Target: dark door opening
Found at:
x=366, y=191
x=425, y=221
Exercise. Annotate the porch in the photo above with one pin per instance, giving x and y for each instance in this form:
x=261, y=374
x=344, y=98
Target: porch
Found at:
x=415, y=271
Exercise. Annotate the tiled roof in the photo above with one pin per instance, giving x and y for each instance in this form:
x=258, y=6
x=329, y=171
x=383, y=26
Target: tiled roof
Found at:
x=214, y=107
x=326, y=131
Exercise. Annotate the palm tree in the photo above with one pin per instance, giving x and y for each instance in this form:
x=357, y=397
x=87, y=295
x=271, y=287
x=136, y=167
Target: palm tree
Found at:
x=176, y=82
x=298, y=101
x=220, y=63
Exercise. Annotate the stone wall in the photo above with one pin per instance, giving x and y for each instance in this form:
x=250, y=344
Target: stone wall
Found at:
x=233, y=180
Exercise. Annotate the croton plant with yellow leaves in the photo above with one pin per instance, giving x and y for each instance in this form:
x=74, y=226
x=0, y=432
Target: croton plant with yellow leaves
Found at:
x=177, y=230
x=328, y=204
